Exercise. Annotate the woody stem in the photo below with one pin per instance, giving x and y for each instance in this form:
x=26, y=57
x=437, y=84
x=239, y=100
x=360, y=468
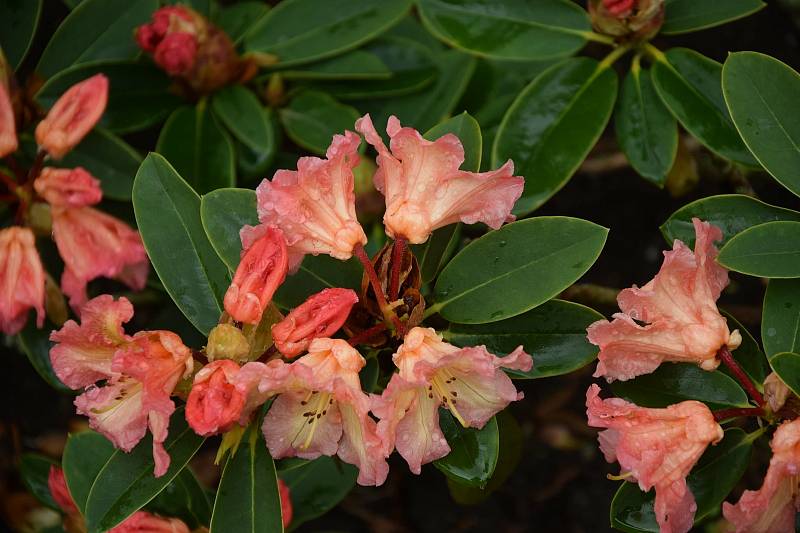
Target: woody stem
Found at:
x=724, y=414
x=366, y=334
x=388, y=315
x=725, y=355
x=397, y=263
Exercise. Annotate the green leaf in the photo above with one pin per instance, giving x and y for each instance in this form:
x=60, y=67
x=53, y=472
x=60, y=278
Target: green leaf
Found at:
x=675, y=382
x=223, y=213
x=684, y=16
x=748, y=354
x=732, y=213
x=759, y=91
x=358, y=64
x=770, y=250
x=317, y=487
x=302, y=31
x=247, y=497
x=168, y=216
x=95, y=30
x=138, y=95
x=242, y=113
x=552, y=125
x=36, y=344
x=35, y=471
x=126, y=483
x=238, y=19
x=434, y=253
x=468, y=132
x=787, y=366
x=312, y=118
x=317, y=273
x=780, y=322
x=646, y=131
x=473, y=452
x=689, y=84
x=85, y=454
x=18, y=22
x=492, y=277
x=712, y=479
x=553, y=333
x=184, y=498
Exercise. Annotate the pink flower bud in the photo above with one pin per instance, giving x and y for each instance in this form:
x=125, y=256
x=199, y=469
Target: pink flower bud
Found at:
x=73, y=116
x=22, y=284
x=619, y=8
x=263, y=268
x=58, y=489
x=321, y=315
x=215, y=403
x=144, y=522
x=176, y=53
x=72, y=187
x=286, y=503
x=8, y=132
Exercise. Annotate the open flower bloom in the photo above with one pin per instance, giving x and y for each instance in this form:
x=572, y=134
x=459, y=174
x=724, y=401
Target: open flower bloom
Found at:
x=656, y=448
x=424, y=188
x=772, y=508
x=215, y=404
x=8, y=131
x=22, y=284
x=315, y=205
x=321, y=410
x=679, y=311
x=66, y=187
x=73, y=116
x=432, y=373
x=321, y=315
x=94, y=244
x=261, y=271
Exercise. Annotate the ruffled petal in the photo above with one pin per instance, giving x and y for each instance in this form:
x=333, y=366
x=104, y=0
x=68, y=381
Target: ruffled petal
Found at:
x=360, y=444
x=22, y=282
x=215, y=404
x=68, y=187
x=303, y=424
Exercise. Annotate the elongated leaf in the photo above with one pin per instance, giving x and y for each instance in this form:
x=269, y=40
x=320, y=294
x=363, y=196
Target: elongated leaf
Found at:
x=85, y=454
x=184, y=498
x=318, y=486
x=303, y=31
x=787, y=366
x=683, y=16
x=36, y=344
x=35, y=471
x=732, y=213
x=312, y=118
x=126, y=483
x=434, y=253
x=508, y=29
x=245, y=117
x=690, y=86
x=780, y=322
x=770, y=250
x=95, y=30
x=473, y=452
x=552, y=125
x=247, y=497
x=168, y=216
x=317, y=273
x=358, y=64
x=646, y=131
x=758, y=90
x=491, y=278
x=199, y=148
x=223, y=213
x=237, y=19
x=18, y=22
x=553, y=333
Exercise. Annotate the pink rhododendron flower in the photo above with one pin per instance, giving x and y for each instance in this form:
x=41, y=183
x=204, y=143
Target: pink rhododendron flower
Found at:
x=679, y=311
x=321, y=315
x=65, y=187
x=8, y=131
x=21, y=279
x=315, y=205
x=73, y=116
x=656, y=448
x=262, y=269
x=286, y=503
x=432, y=373
x=215, y=404
x=144, y=522
x=58, y=489
x=172, y=38
x=424, y=188
x=772, y=508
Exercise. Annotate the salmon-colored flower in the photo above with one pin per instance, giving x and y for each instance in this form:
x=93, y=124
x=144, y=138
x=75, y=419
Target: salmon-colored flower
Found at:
x=773, y=507
x=468, y=382
x=215, y=404
x=67, y=187
x=21, y=279
x=315, y=205
x=681, y=322
x=656, y=448
x=286, y=503
x=73, y=116
x=425, y=189
x=321, y=315
x=57, y=484
x=144, y=522
x=261, y=271
x=8, y=131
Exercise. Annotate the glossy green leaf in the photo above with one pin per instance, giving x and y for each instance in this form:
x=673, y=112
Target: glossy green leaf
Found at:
x=18, y=22
x=85, y=454
x=690, y=86
x=95, y=30
x=358, y=64
x=239, y=18
x=787, y=366
x=185, y=499
x=646, y=131
x=552, y=125
x=312, y=118
x=732, y=213
x=672, y=383
x=126, y=482
x=317, y=273
x=508, y=29
x=200, y=150
x=35, y=343
x=712, y=479
x=468, y=132
x=223, y=213
x=780, y=321
x=683, y=16
x=138, y=95
x=434, y=253
x=34, y=469
x=247, y=497
x=168, y=216
x=473, y=452
x=759, y=91
x=242, y=113
x=302, y=31
x=770, y=250
x=251, y=165
x=516, y=268
x=553, y=333
x=369, y=375
x=317, y=487
x=749, y=354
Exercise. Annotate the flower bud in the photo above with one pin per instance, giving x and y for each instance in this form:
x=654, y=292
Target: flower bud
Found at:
x=775, y=392
x=321, y=315
x=57, y=484
x=21, y=279
x=8, y=131
x=227, y=342
x=73, y=187
x=634, y=19
x=215, y=404
x=286, y=503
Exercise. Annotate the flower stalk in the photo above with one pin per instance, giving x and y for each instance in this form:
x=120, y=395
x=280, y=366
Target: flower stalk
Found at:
x=727, y=358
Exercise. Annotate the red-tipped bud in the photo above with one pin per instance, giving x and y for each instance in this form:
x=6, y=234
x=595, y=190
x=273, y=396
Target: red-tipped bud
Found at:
x=176, y=53
x=286, y=503
x=69, y=187
x=627, y=19
x=8, y=132
x=57, y=484
x=619, y=8
x=73, y=116
x=215, y=404
x=265, y=262
x=320, y=316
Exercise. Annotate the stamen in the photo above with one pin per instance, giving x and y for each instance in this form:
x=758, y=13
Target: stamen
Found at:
x=621, y=477
x=319, y=409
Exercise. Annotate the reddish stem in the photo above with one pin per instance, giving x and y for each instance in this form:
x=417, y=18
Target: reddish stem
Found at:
x=397, y=264
x=725, y=414
x=725, y=355
x=38, y=163
x=8, y=181
x=366, y=334
x=388, y=315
